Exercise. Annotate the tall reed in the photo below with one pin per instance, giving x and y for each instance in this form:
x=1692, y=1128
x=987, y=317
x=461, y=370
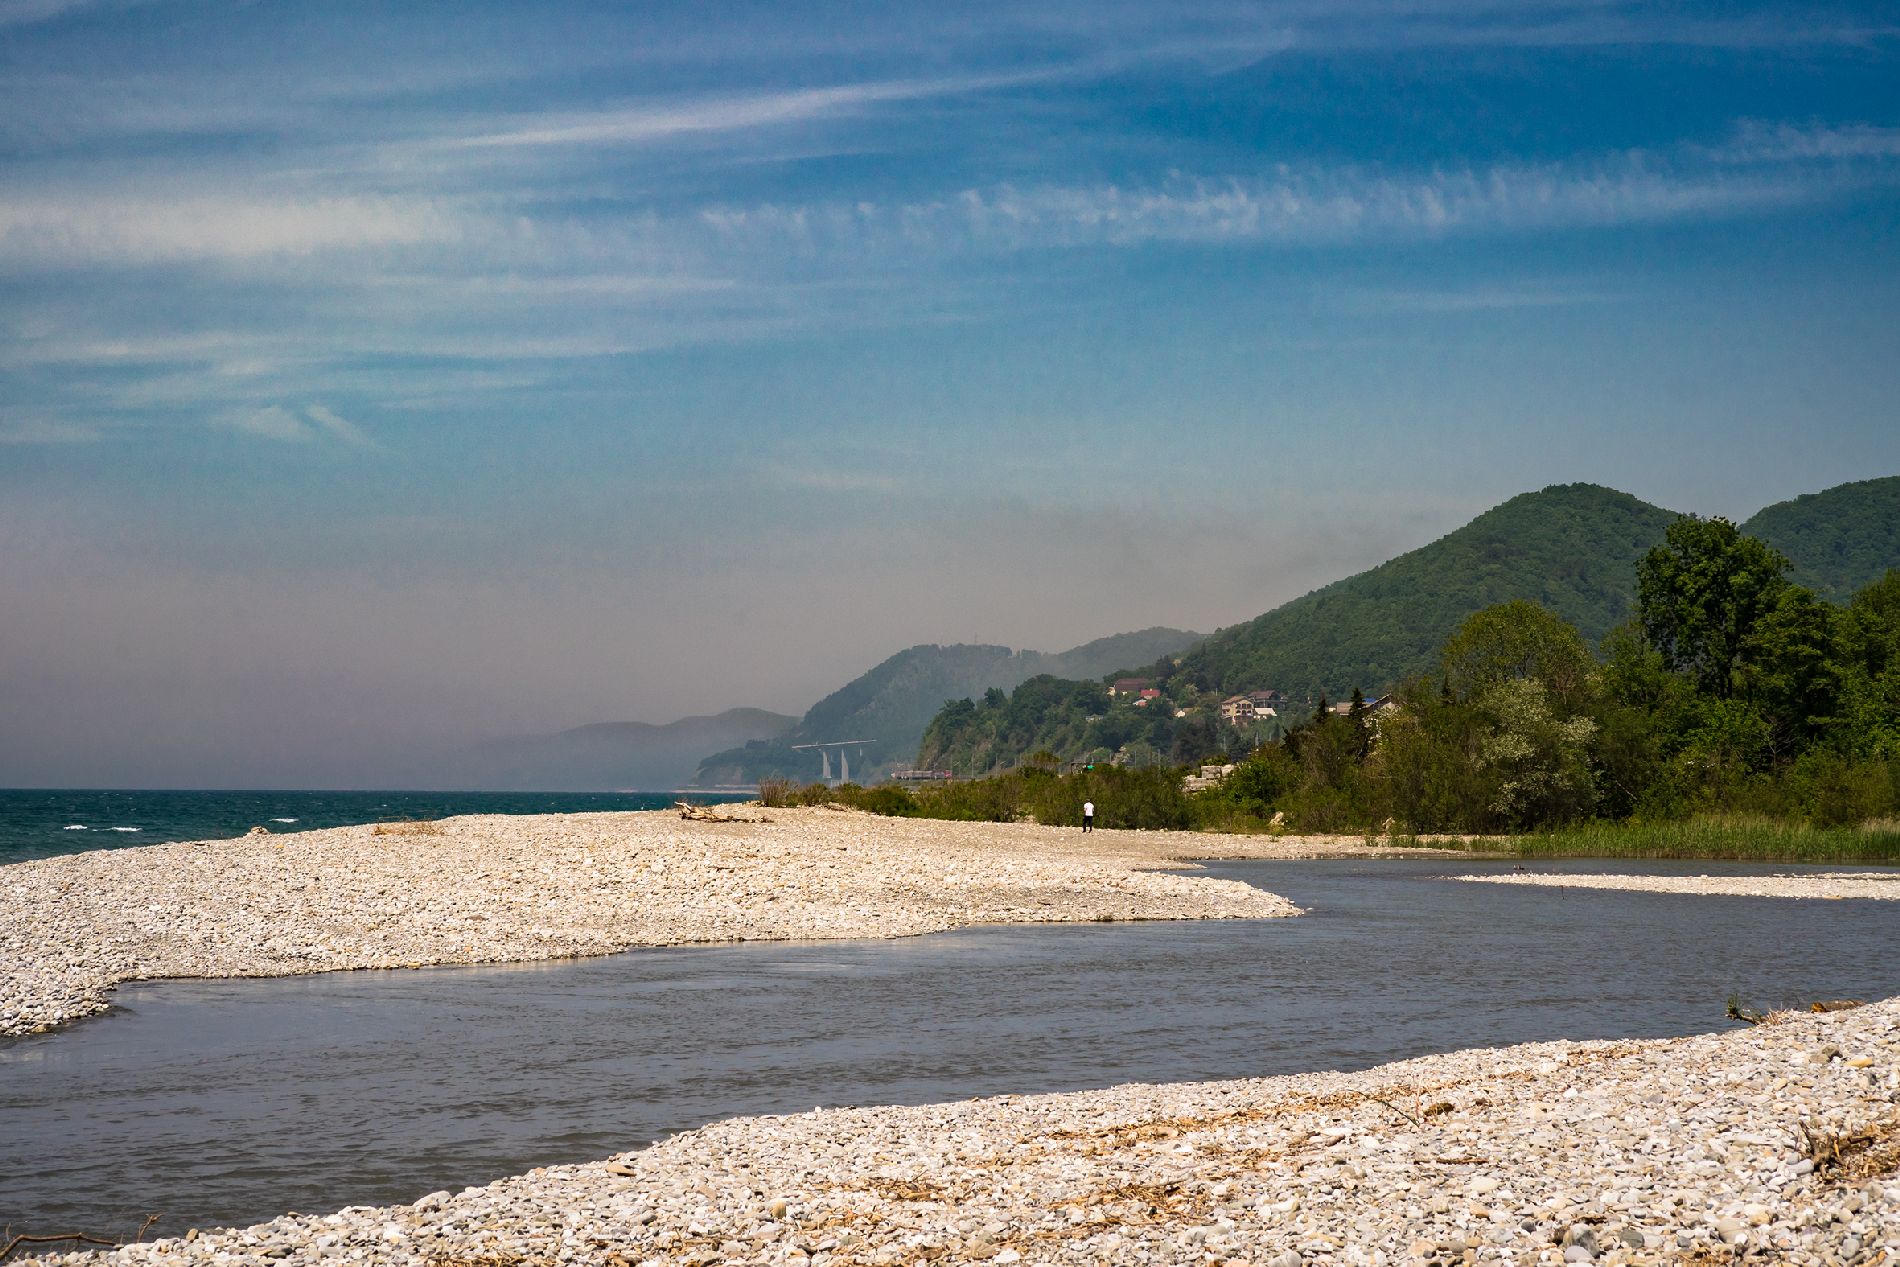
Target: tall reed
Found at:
x=1731, y=837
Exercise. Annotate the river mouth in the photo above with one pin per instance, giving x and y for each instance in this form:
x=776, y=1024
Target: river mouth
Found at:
x=230, y=1102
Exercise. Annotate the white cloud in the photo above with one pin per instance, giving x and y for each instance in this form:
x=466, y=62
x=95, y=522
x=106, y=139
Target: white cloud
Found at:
x=1759, y=142
x=355, y=283
x=127, y=227
x=275, y=422
x=340, y=428
x=628, y=125
x=272, y=422
x=1288, y=205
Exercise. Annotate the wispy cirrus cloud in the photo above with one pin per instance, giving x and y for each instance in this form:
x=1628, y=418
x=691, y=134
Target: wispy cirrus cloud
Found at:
x=640, y=123
x=301, y=426
x=518, y=282
x=133, y=225
x=1294, y=205
x=1756, y=141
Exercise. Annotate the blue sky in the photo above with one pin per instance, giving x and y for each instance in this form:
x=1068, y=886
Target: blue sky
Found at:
x=374, y=376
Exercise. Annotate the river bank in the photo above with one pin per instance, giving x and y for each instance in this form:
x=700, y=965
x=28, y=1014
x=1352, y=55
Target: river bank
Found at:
x=1779, y=1143
x=511, y=888
x=1875, y=885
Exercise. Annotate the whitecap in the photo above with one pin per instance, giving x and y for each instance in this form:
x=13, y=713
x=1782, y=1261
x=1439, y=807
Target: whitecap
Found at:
x=283, y=820
x=75, y=827
x=125, y=829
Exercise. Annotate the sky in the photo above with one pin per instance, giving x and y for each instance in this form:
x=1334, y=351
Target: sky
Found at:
x=378, y=378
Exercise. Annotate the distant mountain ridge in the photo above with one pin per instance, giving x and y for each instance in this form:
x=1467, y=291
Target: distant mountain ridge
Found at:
x=889, y=706
x=611, y=756
x=1571, y=547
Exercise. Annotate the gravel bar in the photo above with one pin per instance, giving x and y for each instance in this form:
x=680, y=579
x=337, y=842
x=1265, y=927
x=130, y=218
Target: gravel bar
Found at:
x=1777, y=1144
x=1842, y=884
x=508, y=888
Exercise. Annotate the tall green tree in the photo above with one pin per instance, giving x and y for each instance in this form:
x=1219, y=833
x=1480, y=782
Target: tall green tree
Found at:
x=1790, y=669
x=1701, y=594
x=1869, y=707
x=1516, y=641
x=1541, y=761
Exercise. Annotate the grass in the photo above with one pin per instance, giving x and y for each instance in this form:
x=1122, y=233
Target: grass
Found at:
x=1731, y=838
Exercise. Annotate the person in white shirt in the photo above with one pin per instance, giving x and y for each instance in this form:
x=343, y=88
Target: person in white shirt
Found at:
x=1088, y=815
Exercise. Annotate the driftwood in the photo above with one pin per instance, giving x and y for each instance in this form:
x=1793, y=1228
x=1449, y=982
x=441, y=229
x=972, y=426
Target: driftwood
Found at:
x=707, y=814
x=80, y=1238
x=1836, y=1005
x=1738, y=1012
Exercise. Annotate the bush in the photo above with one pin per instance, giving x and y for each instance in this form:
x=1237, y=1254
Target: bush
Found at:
x=1830, y=790
x=1146, y=799
x=894, y=802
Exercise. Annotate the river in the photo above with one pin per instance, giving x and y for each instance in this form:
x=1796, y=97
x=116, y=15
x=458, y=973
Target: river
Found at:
x=230, y=1102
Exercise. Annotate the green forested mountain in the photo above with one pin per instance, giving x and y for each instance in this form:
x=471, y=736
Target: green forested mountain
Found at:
x=1571, y=547
x=1840, y=540
x=1043, y=714
x=889, y=706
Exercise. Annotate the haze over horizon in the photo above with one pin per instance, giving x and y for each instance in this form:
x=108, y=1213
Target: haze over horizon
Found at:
x=372, y=380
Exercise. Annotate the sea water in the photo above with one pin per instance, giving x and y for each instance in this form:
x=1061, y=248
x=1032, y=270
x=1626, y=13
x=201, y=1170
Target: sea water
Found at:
x=37, y=823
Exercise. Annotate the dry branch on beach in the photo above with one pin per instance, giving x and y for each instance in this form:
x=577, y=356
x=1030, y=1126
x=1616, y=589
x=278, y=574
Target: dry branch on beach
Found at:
x=707, y=814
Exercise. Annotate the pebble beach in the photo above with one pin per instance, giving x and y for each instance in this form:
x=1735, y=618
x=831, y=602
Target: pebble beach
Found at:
x=510, y=888
x=1777, y=1144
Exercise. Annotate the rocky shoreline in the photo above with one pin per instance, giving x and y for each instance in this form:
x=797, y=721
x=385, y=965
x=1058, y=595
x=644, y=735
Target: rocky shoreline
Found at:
x=502, y=888
x=1777, y=1144
x=1835, y=885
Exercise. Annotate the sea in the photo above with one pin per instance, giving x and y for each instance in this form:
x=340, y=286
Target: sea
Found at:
x=38, y=822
